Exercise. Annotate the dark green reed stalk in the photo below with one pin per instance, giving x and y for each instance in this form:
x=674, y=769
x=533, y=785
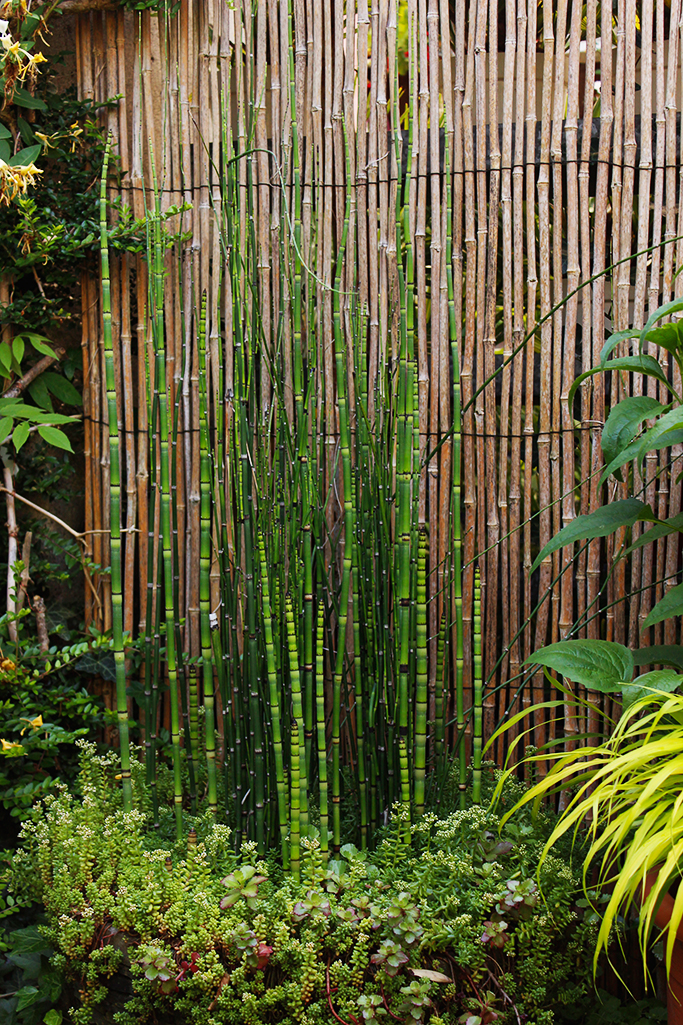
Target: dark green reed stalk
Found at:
x=157, y=306
x=478, y=718
x=456, y=489
x=295, y=801
x=205, y=571
x=275, y=712
x=422, y=680
x=115, y=497
x=297, y=715
x=345, y=447
x=321, y=734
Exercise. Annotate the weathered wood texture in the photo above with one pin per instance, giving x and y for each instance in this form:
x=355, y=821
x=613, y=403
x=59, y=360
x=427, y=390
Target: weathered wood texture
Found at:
x=562, y=125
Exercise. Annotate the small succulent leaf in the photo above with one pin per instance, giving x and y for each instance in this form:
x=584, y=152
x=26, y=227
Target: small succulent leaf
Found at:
x=600, y=523
x=670, y=605
x=598, y=665
x=667, y=680
x=660, y=654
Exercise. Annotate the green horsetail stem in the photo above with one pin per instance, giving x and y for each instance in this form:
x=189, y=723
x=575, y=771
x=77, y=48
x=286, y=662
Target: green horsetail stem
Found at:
x=420, y=758
x=321, y=735
x=295, y=802
x=297, y=714
x=114, y=498
x=478, y=718
x=205, y=571
x=456, y=490
x=440, y=712
x=359, y=682
x=345, y=446
x=157, y=305
x=275, y=714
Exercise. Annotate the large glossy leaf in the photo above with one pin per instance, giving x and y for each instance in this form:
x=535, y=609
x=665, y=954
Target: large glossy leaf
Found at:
x=641, y=364
x=667, y=337
x=674, y=306
x=667, y=680
x=26, y=156
x=612, y=342
x=624, y=421
x=5, y=132
x=599, y=665
x=63, y=389
x=670, y=605
x=660, y=655
x=23, y=98
x=671, y=526
x=600, y=523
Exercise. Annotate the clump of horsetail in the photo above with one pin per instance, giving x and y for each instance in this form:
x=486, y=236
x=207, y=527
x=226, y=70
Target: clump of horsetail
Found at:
x=114, y=497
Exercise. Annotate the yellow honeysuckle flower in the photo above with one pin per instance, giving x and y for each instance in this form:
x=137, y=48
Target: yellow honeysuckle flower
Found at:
x=9, y=745
x=35, y=724
x=7, y=666
x=15, y=180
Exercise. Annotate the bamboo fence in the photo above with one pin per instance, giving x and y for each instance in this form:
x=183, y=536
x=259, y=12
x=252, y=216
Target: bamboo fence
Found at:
x=543, y=149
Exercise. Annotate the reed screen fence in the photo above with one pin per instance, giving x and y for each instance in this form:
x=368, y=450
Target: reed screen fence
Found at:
x=379, y=194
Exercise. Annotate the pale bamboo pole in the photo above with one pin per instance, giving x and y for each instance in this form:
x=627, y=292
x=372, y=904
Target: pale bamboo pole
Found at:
x=518, y=396
x=587, y=315
x=586, y=293
x=375, y=141
x=642, y=559
x=465, y=86
x=545, y=392
x=672, y=228
x=532, y=288
x=598, y=334
x=481, y=278
x=508, y=582
x=566, y=355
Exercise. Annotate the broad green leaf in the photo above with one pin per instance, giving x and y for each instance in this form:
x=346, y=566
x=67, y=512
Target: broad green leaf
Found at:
x=5, y=357
x=675, y=306
x=598, y=665
x=653, y=438
x=23, y=98
x=5, y=151
x=26, y=156
x=39, y=343
x=18, y=347
x=5, y=132
x=670, y=605
x=659, y=679
x=671, y=526
x=623, y=423
x=55, y=437
x=29, y=940
x=27, y=136
x=63, y=389
x=641, y=364
x=6, y=425
x=660, y=654
x=667, y=337
x=612, y=342
x=53, y=1017
x=20, y=434
x=600, y=523
x=38, y=391
x=27, y=996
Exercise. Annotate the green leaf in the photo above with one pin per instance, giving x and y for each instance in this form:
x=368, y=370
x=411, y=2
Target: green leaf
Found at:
x=53, y=1017
x=675, y=306
x=23, y=98
x=5, y=357
x=671, y=526
x=600, y=523
x=5, y=132
x=598, y=665
x=667, y=337
x=18, y=347
x=63, y=389
x=670, y=605
x=5, y=151
x=666, y=680
x=623, y=423
x=26, y=156
x=30, y=941
x=38, y=391
x=6, y=426
x=27, y=996
x=55, y=437
x=40, y=343
x=660, y=654
x=20, y=434
x=612, y=342
x=27, y=136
